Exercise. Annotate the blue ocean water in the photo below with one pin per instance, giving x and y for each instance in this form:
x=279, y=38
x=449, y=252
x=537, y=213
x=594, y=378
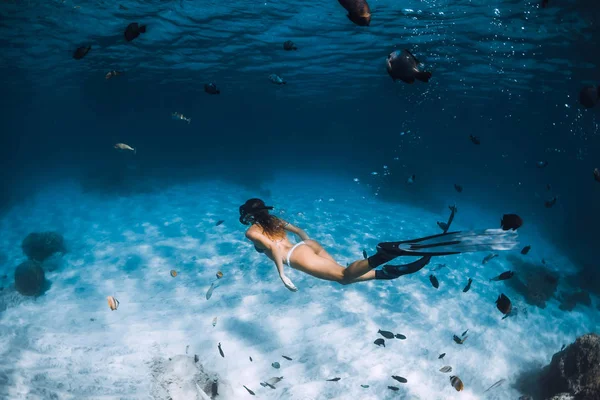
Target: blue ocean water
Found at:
x=333, y=150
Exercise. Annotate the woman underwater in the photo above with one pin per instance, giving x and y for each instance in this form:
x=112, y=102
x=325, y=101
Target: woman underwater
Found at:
x=269, y=235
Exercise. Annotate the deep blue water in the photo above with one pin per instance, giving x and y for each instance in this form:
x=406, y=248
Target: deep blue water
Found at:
x=506, y=71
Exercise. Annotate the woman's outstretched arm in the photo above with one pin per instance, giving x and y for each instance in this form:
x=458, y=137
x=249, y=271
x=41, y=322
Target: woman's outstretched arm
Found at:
x=257, y=237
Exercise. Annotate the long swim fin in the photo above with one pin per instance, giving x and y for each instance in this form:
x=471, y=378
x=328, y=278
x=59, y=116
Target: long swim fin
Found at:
x=453, y=243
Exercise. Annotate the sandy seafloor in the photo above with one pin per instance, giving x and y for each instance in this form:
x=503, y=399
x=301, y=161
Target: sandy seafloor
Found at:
x=125, y=246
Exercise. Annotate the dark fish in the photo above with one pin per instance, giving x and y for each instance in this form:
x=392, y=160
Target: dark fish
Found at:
x=287, y=358
x=249, y=391
x=456, y=383
x=597, y=175
x=379, y=342
x=219, y=222
x=333, y=379
x=386, y=334
x=214, y=389
x=394, y=388
x=488, y=258
x=365, y=255
x=459, y=340
x=133, y=30
x=504, y=305
x=289, y=45
x=475, y=139
x=211, y=88
x=589, y=96
x=542, y=164
x=434, y=282
x=441, y=356
x=81, y=52
x=543, y=261
x=511, y=221
x=275, y=365
x=221, y=350
x=364, y=386
x=495, y=385
x=503, y=276
x=196, y=358
x=399, y=379
x=465, y=332
x=250, y=359
x=466, y=289
x=358, y=11
x=551, y=203
x=402, y=65
x=400, y=336
x=458, y=188
x=525, y=249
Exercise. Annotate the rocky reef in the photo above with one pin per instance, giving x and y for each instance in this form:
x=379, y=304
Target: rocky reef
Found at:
x=573, y=373
x=536, y=283
x=40, y=246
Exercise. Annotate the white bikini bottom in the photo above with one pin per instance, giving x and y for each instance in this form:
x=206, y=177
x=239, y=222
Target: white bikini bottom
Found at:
x=289, y=254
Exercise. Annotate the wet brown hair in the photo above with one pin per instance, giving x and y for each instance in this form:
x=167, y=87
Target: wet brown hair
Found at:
x=254, y=211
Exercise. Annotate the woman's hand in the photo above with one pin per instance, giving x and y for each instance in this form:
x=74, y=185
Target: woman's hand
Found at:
x=288, y=284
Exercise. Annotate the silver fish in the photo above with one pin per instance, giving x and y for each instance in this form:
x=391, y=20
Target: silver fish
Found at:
x=437, y=267
x=214, y=323
x=276, y=79
x=489, y=257
x=446, y=369
x=210, y=290
x=495, y=385
x=180, y=116
x=123, y=146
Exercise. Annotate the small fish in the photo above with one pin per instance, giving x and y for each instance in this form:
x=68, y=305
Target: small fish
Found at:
x=358, y=11
x=495, y=385
x=379, y=342
x=489, y=257
x=81, y=52
x=221, y=350
x=563, y=347
x=438, y=267
x=210, y=291
x=214, y=323
x=543, y=261
x=173, y=273
x=289, y=45
x=403, y=65
x=468, y=287
x=394, y=388
x=400, y=336
x=187, y=348
x=276, y=79
x=364, y=386
x=589, y=96
x=211, y=88
x=434, y=281
x=399, y=378
x=504, y=305
x=503, y=276
x=180, y=116
x=551, y=203
x=249, y=391
x=333, y=379
x=386, y=334
x=597, y=175
x=214, y=388
x=219, y=274
x=475, y=139
x=441, y=356
x=287, y=358
x=456, y=383
x=272, y=382
x=133, y=30
x=219, y=222
x=458, y=188
x=110, y=74
x=92, y=319
x=459, y=340
x=542, y=164
x=275, y=365
x=446, y=369
x=124, y=147
x=250, y=359
x=465, y=332
x=196, y=358
x=112, y=303
x=511, y=221
x=525, y=250
x=411, y=179
x=365, y=255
